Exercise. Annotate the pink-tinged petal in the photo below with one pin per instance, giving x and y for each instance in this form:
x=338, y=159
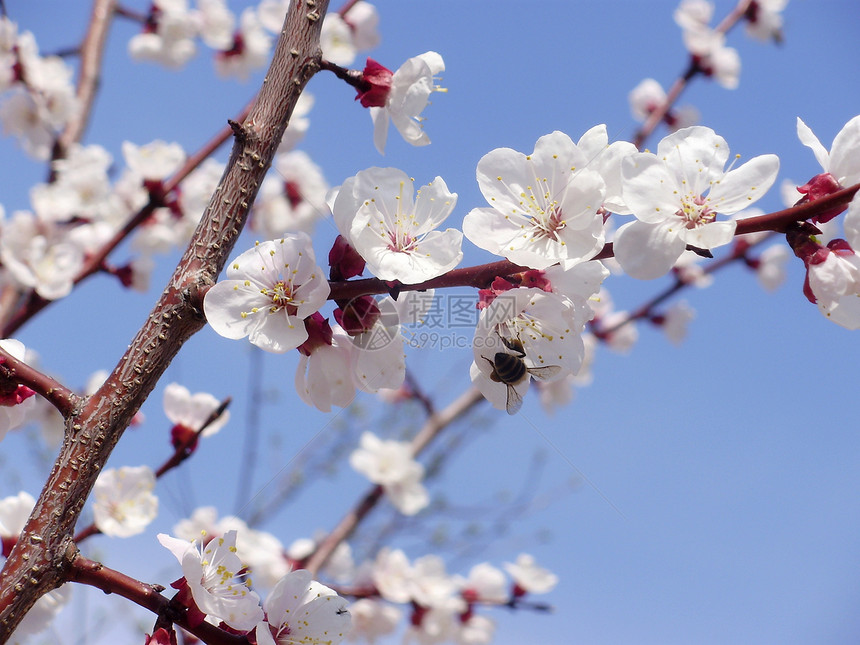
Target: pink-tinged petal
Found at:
x=808, y=138
x=650, y=191
x=845, y=153
x=744, y=186
x=647, y=251
x=696, y=153
x=225, y=303
x=710, y=236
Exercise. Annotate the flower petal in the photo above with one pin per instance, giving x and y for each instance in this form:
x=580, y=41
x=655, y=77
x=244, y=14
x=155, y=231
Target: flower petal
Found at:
x=844, y=160
x=647, y=251
x=808, y=138
x=744, y=186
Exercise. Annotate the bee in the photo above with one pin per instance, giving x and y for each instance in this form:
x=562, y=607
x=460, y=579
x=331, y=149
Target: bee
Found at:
x=510, y=369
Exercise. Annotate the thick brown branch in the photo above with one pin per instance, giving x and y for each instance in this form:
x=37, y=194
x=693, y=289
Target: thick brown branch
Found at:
x=37, y=563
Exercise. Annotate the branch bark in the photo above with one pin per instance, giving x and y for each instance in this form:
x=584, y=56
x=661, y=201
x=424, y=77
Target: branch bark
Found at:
x=41, y=559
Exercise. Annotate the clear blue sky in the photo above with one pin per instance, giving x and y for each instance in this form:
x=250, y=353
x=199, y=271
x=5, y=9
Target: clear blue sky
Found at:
x=722, y=500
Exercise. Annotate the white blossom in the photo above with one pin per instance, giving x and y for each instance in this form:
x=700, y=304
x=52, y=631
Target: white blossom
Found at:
x=291, y=199
x=268, y=292
x=250, y=50
x=172, y=42
x=14, y=512
x=842, y=161
x=372, y=619
x=394, y=232
x=529, y=576
x=154, y=161
x=543, y=206
x=539, y=329
x=212, y=572
x=390, y=464
x=191, y=411
x=124, y=501
x=411, y=87
x=303, y=611
x=666, y=193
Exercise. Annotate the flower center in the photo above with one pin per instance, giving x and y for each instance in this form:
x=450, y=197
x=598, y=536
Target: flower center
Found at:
x=282, y=297
x=695, y=211
x=399, y=240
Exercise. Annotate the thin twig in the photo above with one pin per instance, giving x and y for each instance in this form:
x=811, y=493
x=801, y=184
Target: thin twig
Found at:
x=431, y=429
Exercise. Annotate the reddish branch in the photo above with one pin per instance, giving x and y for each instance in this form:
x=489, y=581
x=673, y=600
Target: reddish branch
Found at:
x=95, y=262
x=482, y=275
x=97, y=575
x=182, y=452
x=658, y=115
x=89, y=74
x=42, y=558
x=56, y=394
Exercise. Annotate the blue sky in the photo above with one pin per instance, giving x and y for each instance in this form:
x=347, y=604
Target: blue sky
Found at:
x=718, y=481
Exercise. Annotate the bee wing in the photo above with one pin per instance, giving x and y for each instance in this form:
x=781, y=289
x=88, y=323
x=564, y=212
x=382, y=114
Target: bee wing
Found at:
x=514, y=401
x=545, y=372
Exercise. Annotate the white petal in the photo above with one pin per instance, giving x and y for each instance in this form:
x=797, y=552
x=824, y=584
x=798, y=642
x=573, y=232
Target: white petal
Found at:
x=744, y=186
x=226, y=301
x=696, y=153
x=647, y=251
x=844, y=157
x=650, y=190
x=809, y=139
x=851, y=224
x=380, y=119
x=433, y=204
x=710, y=236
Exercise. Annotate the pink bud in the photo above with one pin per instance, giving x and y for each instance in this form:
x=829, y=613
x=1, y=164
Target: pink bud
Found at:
x=20, y=394
x=376, y=85
x=358, y=315
x=319, y=333
x=486, y=296
x=820, y=186
x=345, y=261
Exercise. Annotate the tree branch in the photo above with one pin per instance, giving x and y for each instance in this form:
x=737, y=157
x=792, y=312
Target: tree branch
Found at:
x=45, y=386
x=434, y=425
x=38, y=563
x=89, y=76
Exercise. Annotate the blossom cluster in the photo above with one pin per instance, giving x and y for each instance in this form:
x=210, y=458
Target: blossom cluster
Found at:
x=172, y=29
x=548, y=213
